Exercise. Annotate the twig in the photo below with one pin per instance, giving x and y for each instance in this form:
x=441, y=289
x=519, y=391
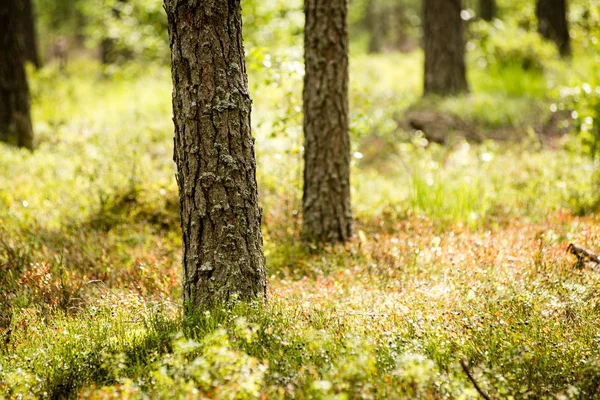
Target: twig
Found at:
x=95, y=281
x=364, y=314
x=582, y=253
x=465, y=368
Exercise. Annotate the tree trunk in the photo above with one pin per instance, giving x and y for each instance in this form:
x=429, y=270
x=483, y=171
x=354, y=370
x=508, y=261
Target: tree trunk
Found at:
x=553, y=25
x=374, y=27
x=488, y=9
x=444, y=46
x=107, y=55
x=214, y=153
x=28, y=31
x=108, y=52
x=399, y=15
x=15, y=120
x=327, y=215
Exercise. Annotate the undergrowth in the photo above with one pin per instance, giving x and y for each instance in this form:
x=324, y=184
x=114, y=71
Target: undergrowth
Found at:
x=459, y=252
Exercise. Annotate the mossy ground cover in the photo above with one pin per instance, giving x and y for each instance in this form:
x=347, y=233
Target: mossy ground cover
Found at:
x=459, y=252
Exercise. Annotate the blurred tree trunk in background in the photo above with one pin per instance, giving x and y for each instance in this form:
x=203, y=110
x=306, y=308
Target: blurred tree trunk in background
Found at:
x=553, y=25
x=327, y=214
x=214, y=153
x=488, y=9
x=388, y=26
x=399, y=13
x=15, y=120
x=444, y=46
x=108, y=53
x=28, y=31
x=375, y=27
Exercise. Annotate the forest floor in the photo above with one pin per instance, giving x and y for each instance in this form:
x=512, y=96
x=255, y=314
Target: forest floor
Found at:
x=460, y=253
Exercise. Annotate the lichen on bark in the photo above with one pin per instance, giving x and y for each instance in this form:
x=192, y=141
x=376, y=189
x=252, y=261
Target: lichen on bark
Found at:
x=214, y=153
x=327, y=214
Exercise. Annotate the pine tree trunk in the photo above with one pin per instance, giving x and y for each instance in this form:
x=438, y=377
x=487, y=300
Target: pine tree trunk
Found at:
x=488, y=9
x=444, y=46
x=327, y=215
x=214, y=153
x=553, y=25
x=15, y=120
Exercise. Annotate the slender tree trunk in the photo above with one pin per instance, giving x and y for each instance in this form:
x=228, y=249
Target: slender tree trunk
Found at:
x=27, y=20
x=214, y=153
x=399, y=15
x=108, y=53
x=553, y=25
x=374, y=27
x=327, y=215
x=488, y=9
x=15, y=120
x=444, y=46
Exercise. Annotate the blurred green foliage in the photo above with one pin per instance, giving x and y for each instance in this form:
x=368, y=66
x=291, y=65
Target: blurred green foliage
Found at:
x=582, y=96
x=273, y=23
x=395, y=23
x=56, y=17
x=136, y=27
x=500, y=45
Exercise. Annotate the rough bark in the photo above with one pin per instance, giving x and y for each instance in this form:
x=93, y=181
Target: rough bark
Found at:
x=15, y=120
x=444, y=46
x=327, y=215
x=488, y=9
x=552, y=23
x=214, y=153
x=28, y=31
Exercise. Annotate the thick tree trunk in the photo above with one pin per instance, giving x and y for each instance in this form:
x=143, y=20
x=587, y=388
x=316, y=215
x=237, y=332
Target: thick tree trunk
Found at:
x=552, y=23
x=15, y=120
x=444, y=46
x=214, y=153
x=28, y=31
x=488, y=9
x=327, y=215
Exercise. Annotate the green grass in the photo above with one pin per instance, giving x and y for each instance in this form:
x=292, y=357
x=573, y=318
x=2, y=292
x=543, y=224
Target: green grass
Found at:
x=459, y=252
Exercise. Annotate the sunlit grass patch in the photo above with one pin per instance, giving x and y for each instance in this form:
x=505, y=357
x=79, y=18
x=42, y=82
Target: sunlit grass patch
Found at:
x=480, y=186
x=392, y=313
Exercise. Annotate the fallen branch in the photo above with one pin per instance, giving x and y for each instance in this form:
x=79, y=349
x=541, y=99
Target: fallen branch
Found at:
x=465, y=368
x=365, y=314
x=582, y=254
